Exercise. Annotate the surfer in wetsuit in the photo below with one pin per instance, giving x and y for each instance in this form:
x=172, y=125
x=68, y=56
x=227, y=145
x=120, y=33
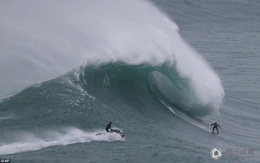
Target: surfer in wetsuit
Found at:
x=215, y=126
x=108, y=126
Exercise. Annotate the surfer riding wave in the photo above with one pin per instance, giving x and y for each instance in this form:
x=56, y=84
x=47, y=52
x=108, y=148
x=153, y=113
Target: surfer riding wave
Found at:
x=215, y=126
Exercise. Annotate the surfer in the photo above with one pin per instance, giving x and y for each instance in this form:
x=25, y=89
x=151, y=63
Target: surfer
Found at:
x=108, y=127
x=215, y=126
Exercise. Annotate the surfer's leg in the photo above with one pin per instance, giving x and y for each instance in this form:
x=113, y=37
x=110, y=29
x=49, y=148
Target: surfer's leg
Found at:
x=217, y=130
x=214, y=129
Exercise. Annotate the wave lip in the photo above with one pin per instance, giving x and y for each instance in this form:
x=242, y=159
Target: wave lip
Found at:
x=181, y=94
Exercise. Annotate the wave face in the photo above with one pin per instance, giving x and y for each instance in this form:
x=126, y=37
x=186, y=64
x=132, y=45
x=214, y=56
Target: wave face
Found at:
x=164, y=82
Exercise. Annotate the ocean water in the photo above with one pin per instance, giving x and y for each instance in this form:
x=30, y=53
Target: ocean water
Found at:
x=162, y=71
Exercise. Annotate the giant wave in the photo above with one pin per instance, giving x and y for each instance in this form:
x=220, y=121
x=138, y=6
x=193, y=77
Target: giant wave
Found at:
x=58, y=38
x=110, y=65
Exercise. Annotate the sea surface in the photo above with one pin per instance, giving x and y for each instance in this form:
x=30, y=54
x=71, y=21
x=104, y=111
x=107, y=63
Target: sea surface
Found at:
x=162, y=71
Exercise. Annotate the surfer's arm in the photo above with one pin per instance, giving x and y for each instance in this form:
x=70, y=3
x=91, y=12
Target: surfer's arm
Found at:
x=219, y=126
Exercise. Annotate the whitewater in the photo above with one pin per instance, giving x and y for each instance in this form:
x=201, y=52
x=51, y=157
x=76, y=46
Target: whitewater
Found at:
x=156, y=69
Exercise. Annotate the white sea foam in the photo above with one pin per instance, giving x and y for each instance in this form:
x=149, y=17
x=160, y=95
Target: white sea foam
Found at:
x=32, y=142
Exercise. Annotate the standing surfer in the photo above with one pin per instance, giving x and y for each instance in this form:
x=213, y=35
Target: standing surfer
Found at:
x=215, y=126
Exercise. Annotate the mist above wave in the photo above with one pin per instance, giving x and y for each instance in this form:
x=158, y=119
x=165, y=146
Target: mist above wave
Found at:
x=44, y=39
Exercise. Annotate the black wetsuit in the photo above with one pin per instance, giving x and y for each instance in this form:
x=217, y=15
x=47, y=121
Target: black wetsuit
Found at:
x=215, y=127
x=108, y=127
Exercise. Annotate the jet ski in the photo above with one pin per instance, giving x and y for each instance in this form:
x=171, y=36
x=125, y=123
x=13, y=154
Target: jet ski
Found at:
x=117, y=131
x=114, y=131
